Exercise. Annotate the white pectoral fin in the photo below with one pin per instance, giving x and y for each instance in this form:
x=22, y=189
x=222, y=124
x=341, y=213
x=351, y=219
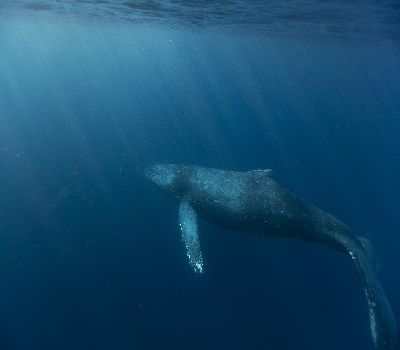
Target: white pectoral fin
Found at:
x=188, y=224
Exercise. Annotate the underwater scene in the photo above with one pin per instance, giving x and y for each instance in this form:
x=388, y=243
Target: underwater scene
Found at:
x=199, y=174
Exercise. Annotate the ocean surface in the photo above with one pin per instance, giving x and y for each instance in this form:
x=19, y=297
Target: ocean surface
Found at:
x=93, y=92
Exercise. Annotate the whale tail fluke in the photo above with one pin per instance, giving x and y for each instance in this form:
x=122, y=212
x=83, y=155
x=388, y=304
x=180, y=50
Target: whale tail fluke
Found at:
x=382, y=321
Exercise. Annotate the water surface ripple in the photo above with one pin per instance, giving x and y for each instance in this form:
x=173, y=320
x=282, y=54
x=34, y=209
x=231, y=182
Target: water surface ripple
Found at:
x=352, y=19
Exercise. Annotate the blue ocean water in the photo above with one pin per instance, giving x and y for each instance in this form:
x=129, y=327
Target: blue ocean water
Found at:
x=91, y=94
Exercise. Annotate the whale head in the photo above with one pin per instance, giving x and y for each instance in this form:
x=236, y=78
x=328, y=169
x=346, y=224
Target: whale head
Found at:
x=169, y=177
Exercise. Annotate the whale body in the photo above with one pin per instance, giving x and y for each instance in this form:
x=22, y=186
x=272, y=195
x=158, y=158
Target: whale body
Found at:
x=253, y=202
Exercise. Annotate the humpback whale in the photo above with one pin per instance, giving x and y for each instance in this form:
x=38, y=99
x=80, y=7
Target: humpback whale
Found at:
x=253, y=202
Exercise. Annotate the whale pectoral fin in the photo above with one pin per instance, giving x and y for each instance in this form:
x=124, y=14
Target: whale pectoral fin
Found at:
x=188, y=224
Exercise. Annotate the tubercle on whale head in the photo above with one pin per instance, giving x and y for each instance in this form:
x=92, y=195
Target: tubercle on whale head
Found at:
x=161, y=174
x=165, y=176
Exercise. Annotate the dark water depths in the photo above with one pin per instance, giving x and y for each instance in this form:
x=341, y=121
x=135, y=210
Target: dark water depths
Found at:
x=358, y=20
x=90, y=253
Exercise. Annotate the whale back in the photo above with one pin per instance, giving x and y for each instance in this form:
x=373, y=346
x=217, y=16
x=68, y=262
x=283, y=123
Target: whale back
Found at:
x=251, y=202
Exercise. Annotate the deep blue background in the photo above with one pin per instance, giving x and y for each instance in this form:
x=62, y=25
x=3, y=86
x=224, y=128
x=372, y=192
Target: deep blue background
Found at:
x=90, y=253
